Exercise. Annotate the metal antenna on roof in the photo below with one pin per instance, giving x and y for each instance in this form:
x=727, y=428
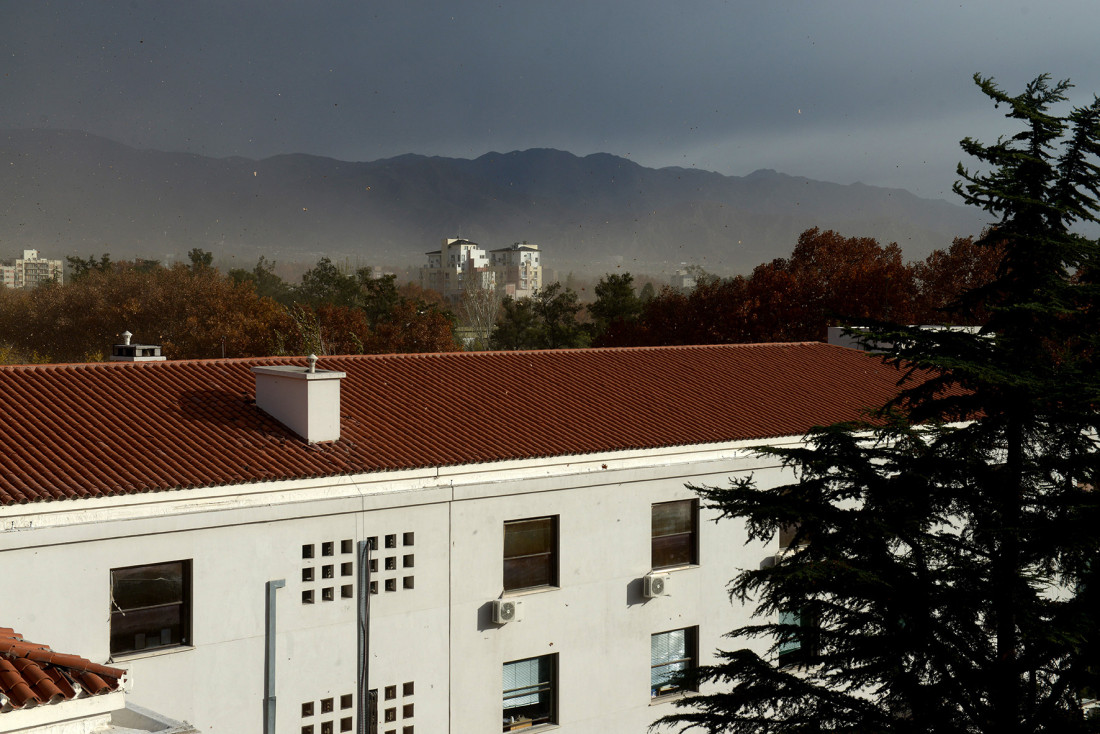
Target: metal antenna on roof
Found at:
x=312, y=359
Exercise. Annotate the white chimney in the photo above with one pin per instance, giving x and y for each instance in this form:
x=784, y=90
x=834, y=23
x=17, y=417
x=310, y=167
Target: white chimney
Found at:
x=304, y=399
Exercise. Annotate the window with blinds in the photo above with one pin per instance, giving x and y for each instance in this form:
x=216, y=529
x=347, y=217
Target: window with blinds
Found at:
x=529, y=687
x=671, y=654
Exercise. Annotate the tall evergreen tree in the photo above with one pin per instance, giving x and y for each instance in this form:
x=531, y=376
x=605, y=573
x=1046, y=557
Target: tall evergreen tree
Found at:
x=547, y=320
x=938, y=563
x=615, y=304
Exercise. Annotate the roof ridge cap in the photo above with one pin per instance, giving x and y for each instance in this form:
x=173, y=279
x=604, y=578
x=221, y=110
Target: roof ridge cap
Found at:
x=283, y=359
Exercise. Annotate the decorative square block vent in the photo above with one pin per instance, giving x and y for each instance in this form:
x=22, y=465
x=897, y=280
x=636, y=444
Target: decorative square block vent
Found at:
x=654, y=585
x=507, y=610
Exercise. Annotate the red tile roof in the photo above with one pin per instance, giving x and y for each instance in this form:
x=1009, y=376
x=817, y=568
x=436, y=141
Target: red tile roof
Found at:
x=32, y=674
x=89, y=430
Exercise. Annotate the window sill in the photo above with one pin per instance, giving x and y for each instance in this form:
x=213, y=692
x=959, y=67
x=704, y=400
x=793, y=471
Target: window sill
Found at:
x=534, y=728
x=669, y=697
x=532, y=590
x=672, y=569
x=141, y=654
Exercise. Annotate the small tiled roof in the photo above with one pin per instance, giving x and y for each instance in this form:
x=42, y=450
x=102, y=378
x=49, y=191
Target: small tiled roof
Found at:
x=32, y=674
x=89, y=430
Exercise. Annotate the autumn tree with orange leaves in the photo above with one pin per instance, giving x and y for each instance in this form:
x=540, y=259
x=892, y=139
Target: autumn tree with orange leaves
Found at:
x=194, y=312
x=828, y=280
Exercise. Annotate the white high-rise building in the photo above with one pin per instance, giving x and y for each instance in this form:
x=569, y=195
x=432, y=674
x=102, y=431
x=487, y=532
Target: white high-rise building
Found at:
x=516, y=270
x=450, y=265
x=30, y=271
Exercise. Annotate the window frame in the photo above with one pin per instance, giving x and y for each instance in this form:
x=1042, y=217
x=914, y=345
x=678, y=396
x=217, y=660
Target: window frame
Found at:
x=691, y=645
x=551, y=579
x=692, y=534
x=548, y=687
x=183, y=618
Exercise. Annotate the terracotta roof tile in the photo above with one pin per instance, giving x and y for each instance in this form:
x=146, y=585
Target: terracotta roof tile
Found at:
x=32, y=674
x=90, y=430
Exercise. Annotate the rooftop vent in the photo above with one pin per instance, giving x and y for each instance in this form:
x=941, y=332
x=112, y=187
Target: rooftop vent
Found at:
x=127, y=352
x=304, y=399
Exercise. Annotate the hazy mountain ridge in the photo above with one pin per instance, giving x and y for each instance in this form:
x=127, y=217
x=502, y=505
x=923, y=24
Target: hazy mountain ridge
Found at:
x=68, y=192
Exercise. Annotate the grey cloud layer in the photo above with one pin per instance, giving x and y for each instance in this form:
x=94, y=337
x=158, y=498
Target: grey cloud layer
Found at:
x=844, y=91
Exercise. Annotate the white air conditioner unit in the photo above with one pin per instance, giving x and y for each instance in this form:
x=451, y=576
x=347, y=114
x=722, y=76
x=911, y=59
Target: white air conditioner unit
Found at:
x=654, y=585
x=507, y=610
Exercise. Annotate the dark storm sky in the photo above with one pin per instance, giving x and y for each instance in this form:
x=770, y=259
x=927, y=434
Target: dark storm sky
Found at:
x=849, y=90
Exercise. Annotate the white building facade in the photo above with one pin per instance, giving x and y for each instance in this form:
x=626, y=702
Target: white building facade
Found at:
x=430, y=579
x=516, y=270
x=455, y=263
x=31, y=270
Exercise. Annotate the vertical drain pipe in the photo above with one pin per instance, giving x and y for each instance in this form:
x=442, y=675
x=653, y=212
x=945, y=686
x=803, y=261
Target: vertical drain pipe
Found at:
x=363, y=619
x=269, y=656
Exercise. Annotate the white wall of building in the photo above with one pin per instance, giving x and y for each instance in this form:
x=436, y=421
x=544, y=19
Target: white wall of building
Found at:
x=437, y=635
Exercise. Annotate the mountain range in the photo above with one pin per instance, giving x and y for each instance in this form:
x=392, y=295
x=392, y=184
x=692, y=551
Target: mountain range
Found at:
x=69, y=192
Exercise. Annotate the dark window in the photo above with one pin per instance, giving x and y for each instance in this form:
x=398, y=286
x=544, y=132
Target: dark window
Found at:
x=530, y=553
x=786, y=535
x=670, y=654
x=150, y=607
x=529, y=692
x=674, y=533
x=798, y=645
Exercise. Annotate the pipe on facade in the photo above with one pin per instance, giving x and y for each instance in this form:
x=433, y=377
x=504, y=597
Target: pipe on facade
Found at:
x=363, y=643
x=269, y=655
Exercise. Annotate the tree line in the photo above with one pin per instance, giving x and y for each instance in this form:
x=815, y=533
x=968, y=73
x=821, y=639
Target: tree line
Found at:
x=828, y=280
x=193, y=311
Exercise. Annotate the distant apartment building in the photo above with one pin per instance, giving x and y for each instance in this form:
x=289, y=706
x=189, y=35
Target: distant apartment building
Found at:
x=683, y=280
x=30, y=271
x=516, y=270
